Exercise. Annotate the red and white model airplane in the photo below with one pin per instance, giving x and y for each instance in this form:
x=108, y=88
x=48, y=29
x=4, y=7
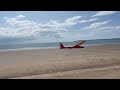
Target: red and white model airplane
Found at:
x=75, y=46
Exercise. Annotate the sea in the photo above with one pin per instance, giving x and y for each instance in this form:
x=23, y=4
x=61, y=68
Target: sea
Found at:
x=28, y=46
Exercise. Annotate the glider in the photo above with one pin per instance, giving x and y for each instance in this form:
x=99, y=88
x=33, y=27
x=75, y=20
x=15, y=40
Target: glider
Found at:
x=75, y=46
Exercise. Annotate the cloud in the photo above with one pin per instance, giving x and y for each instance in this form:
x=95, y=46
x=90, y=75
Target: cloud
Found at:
x=48, y=34
x=21, y=27
x=14, y=32
x=118, y=27
x=96, y=25
x=104, y=30
x=73, y=19
x=84, y=21
x=19, y=21
x=20, y=16
x=26, y=28
x=102, y=13
x=108, y=28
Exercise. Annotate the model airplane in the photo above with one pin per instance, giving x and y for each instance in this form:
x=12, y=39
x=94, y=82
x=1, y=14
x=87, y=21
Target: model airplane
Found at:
x=75, y=46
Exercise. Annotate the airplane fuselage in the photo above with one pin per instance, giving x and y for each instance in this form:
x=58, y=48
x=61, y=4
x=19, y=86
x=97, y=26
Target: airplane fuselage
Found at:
x=73, y=47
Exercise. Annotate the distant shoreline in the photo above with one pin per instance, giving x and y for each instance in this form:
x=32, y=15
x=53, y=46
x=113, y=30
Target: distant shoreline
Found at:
x=54, y=47
x=10, y=46
x=22, y=49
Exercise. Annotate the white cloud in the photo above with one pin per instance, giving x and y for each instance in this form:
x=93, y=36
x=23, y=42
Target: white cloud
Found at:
x=20, y=22
x=20, y=16
x=73, y=19
x=102, y=13
x=108, y=28
x=23, y=27
x=118, y=27
x=19, y=26
x=13, y=32
x=84, y=21
x=96, y=25
x=103, y=30
x=11, y=21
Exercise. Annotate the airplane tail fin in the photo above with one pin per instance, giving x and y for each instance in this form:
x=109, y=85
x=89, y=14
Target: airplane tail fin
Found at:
x=61, y=46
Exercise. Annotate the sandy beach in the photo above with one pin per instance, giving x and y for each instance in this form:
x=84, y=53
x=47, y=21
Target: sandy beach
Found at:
x=92, y=62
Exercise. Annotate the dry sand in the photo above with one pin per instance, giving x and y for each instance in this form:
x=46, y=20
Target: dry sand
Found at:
x=100, y=61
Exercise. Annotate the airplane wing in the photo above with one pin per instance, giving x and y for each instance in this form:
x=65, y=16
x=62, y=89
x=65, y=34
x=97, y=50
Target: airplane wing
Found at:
x=80, y=43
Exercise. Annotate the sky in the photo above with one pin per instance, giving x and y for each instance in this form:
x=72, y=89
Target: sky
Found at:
x=57, y=26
